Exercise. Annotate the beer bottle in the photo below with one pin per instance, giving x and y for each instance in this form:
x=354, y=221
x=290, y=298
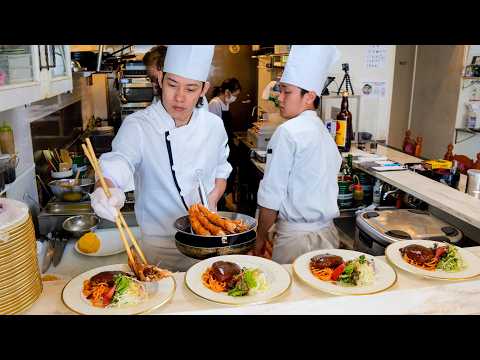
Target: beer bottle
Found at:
x=350, y=164
x=347, y=167
x=344, y=133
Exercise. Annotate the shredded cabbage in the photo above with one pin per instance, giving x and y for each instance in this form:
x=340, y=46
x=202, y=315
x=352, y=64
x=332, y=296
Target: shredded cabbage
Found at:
x=366, y=274
x=128, y=291
x=249, y=283
x=451, y=261
x=357, y=272
x=261, y=282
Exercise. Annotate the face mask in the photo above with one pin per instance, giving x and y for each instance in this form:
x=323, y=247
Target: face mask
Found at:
x=231, y=99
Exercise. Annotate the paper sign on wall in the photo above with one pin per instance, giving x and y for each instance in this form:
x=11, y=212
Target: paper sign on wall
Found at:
x=374, y=89
x=376, y=56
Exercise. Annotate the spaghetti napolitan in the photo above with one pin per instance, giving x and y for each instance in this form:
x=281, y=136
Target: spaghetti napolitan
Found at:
x=430, y=265
x=324, y=274
x=95, y=292
x=210, y=282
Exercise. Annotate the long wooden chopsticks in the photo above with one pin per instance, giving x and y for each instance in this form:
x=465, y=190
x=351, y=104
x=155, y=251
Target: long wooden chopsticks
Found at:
x=120, y=220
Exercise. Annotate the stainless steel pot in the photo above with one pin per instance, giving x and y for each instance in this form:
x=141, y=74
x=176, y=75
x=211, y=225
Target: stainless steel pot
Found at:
x=473, y=186
x=71, y=189
x=81, y=224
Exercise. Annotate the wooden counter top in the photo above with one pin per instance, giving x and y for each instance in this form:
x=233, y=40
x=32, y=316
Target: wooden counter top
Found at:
x=441, y=196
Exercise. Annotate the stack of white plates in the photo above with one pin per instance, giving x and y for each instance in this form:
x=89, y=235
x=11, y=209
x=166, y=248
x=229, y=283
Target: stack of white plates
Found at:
x=20, y=280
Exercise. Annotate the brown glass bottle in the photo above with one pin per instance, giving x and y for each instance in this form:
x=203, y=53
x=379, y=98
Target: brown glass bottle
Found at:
x=344, y=135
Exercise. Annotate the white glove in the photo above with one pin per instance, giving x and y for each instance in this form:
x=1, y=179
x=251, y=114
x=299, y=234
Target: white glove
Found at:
x=107, y=207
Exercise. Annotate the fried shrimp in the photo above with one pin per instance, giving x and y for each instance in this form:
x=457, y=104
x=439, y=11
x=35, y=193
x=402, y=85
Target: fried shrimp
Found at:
x=196, y=225
x=227, y=225
x=213, y=229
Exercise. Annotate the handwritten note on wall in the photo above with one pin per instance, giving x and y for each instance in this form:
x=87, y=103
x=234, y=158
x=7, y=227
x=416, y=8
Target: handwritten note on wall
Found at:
x=376, y=56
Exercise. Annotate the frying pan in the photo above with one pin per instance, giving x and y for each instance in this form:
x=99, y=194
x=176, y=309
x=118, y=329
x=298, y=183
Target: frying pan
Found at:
x=202, y=247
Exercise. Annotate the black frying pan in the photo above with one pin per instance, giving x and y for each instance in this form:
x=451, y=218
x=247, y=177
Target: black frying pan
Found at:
x=202, y=247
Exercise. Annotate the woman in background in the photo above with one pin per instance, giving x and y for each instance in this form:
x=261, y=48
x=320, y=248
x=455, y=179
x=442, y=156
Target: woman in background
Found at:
x=223, y=96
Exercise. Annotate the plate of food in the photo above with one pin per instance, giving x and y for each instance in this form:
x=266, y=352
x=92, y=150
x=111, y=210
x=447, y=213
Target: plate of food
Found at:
x=433, y=259
x=102, y=242
x=238, y=279
x=344, y=272
x=116, y=290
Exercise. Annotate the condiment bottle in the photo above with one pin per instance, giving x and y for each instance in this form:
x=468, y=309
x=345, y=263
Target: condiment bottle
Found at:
x=358, y=194
x=7, y=144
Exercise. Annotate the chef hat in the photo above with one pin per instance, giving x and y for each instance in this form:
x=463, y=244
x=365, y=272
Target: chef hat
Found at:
x=190, y=61
x=267, y=89
x=308, y=65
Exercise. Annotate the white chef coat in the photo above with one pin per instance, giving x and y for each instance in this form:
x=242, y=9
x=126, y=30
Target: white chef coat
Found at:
x=216, y=106
x=300, y=182
x=139, y=150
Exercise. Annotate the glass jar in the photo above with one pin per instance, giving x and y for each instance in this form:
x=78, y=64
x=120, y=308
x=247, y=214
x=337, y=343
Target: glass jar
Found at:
x=79, y=164
x=345, y=195
x=2, y=177
x=9, y=163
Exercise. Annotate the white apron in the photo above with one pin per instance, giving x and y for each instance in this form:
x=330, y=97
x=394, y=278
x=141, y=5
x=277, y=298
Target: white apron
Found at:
x=145, y=147
x=290, y=240
x=162, y=254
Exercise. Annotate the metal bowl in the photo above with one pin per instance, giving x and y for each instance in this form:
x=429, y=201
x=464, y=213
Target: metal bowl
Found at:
x=81, y=224
x=202, y=247
x=71, y=189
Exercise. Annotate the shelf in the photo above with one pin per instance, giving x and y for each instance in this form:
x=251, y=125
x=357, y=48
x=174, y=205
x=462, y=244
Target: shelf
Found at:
x=470, y=131
x=19, y=177
x=334, y=95
x=471, y=77
x=38, y=111
x=465, y=138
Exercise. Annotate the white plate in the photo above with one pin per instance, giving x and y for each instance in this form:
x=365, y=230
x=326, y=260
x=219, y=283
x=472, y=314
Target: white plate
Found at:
x=385, y=276
x=278, y=279
x=472, y=262
x=160, y=292
x=110, y=242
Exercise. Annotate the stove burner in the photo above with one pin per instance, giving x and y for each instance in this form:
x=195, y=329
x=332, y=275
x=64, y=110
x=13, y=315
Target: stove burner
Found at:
x=450, y=231
x=438, y=238
x=370, y=214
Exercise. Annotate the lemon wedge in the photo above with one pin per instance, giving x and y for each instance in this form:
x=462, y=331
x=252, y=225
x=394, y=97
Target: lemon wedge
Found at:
x=89, y=243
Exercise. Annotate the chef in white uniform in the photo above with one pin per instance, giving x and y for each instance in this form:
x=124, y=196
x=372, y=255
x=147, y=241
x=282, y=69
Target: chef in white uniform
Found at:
x=299, y=190
x=153, y=60
x=160, y=149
